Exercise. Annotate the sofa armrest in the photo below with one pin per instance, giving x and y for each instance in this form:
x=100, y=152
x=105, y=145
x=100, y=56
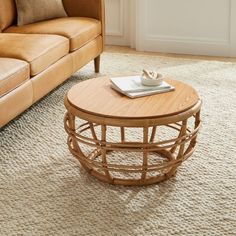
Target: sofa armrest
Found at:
x=86, y=8
x=92, y=9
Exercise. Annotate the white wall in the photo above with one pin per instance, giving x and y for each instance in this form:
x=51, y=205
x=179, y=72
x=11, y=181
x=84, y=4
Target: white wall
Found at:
x=187, y=26
x=206, y=27
x=117, y=22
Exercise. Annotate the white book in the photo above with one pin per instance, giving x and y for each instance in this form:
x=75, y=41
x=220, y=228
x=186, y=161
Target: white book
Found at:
x=143, y=93
x=132, y=87
x=133, y=84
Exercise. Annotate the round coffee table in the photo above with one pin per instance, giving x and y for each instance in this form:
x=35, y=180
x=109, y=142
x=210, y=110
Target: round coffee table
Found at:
x=131, y=141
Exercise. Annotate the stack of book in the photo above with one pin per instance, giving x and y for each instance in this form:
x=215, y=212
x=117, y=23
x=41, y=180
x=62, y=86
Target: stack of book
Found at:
x=132, y=87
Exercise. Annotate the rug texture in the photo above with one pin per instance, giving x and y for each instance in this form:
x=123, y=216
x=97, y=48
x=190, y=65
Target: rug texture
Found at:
x=44, y=191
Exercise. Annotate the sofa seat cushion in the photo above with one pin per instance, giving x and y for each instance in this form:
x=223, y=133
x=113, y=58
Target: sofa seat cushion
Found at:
x=79, y=30
x=13, y=73
x=40, y=51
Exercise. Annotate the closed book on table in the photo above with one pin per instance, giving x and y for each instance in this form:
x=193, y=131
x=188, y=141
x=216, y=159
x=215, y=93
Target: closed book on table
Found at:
x=132, y=87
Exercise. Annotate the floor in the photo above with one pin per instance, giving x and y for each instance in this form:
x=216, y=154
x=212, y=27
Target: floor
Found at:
x=123, y=49
x=44, y=190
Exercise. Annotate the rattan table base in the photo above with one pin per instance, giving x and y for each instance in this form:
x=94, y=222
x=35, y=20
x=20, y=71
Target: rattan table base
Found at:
x=166, y=154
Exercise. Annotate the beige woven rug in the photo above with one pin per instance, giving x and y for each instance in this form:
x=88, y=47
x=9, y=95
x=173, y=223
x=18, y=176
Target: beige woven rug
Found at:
x=43, y=190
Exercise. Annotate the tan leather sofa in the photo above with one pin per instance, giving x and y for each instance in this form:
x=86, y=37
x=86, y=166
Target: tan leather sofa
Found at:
x=36, y=58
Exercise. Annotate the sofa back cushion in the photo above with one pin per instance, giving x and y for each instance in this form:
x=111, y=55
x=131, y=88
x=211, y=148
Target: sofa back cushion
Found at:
x=30, y=11
x=7, y=13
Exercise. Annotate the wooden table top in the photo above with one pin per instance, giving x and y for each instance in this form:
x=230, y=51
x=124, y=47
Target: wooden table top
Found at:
x=95, y=96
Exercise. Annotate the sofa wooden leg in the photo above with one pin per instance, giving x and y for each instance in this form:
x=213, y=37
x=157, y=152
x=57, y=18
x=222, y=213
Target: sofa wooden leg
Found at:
x=97, y=64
